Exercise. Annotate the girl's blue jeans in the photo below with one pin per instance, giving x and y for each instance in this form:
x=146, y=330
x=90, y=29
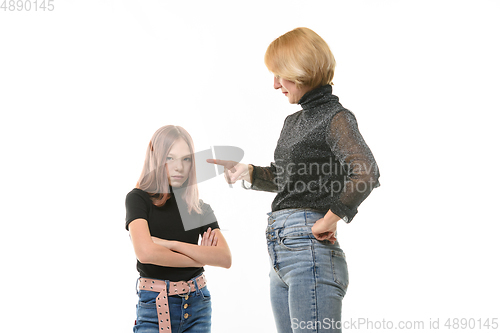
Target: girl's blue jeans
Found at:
x=308, y=278
x=189, y=313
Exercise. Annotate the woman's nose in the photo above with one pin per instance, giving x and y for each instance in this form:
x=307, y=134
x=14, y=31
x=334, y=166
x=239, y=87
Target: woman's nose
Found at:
x=277, y=83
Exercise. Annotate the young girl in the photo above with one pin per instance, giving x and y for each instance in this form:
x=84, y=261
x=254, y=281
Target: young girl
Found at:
x=165, y=219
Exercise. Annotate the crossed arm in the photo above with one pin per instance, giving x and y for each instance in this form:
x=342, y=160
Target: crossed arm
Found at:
x=213, y=250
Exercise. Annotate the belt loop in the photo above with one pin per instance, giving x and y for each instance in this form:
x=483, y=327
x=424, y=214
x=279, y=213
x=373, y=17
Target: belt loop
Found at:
x=196, y=286
x=136, y=285
x=167, y=286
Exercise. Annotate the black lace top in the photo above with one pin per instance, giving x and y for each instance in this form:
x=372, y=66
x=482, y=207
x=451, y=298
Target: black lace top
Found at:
x=321, y=160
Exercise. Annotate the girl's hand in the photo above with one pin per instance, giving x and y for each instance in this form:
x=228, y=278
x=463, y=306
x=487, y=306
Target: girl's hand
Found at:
x=209, y=238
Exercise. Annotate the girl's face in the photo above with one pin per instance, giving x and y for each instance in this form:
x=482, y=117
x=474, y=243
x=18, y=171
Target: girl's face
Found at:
x=179, y=161
x=289, y=89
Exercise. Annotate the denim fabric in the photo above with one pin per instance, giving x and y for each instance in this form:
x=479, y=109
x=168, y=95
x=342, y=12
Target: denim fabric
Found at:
x=308, y=278
x=199, y=311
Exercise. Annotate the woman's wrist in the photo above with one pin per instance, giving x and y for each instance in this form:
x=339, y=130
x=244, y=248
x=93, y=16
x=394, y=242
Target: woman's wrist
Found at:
x=250, y=173
x=331, y=217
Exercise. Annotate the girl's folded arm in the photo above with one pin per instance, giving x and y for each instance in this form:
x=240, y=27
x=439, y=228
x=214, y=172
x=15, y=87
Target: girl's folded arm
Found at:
x=147, y=252
x=218, y=255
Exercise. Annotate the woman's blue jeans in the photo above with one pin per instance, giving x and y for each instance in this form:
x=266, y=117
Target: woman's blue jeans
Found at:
x=308, y=277
x=191, y=314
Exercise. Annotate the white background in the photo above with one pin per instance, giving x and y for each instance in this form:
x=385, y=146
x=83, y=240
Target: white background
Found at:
x=84, y=87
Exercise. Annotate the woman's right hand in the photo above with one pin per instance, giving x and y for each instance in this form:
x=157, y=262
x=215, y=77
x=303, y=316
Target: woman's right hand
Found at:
x=234, y=171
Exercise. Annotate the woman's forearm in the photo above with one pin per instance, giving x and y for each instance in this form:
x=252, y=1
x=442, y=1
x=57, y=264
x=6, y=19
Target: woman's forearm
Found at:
x=263, y=178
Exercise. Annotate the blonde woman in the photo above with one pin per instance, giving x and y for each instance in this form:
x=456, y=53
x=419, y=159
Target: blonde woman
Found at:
x=322, y=171
x=166, y=219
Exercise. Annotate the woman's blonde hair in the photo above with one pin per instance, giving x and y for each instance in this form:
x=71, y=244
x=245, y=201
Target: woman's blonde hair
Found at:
x=154, y=179
x=301, y=56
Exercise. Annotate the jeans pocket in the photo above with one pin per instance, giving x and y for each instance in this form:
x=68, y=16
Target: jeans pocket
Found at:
x=147, y=299
x=144, y=305
x=340, y=271
x=205, y=294
x=296, y=243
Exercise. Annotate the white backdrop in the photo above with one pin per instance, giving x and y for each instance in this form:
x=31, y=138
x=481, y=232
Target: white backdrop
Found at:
x=83, y=88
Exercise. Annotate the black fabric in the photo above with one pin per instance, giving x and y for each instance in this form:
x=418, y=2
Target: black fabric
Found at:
x=165, y=222
x=321, y=161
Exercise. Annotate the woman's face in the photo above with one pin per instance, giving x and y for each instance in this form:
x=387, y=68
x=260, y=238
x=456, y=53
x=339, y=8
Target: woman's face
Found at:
x=289, y=89
x=179, y=162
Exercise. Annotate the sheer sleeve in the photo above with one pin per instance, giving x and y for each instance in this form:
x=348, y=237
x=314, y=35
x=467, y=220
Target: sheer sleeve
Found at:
x=263, y=178
x=357, y=161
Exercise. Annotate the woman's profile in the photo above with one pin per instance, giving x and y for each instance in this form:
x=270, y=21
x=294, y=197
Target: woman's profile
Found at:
x=172, y=289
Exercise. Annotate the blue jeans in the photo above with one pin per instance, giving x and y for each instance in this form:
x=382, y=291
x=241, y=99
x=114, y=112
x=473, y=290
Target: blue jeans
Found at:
x=198, y=310
x=308, y=277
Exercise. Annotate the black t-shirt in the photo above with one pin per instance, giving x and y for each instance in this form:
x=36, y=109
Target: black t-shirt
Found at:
x=165, y=222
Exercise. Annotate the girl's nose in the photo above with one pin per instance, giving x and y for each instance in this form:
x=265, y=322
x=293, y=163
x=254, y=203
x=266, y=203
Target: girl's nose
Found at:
x=178, y=165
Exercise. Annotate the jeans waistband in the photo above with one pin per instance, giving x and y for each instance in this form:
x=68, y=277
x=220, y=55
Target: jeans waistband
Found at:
x=294, y=217
x=294, y=223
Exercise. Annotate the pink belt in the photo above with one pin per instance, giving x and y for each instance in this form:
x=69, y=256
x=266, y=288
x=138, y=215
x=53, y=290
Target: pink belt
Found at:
x=175, y=288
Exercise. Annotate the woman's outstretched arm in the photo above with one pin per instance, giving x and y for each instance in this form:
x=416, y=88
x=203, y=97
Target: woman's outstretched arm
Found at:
x=261, y=178
x=214, y=250
x=147, y=252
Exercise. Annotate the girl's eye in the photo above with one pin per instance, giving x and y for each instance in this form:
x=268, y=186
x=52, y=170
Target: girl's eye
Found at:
x=187, y=159
x=169, y=158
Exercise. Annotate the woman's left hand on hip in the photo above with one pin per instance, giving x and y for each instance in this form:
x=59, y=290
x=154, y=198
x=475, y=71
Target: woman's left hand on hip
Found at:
x=326, y=227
